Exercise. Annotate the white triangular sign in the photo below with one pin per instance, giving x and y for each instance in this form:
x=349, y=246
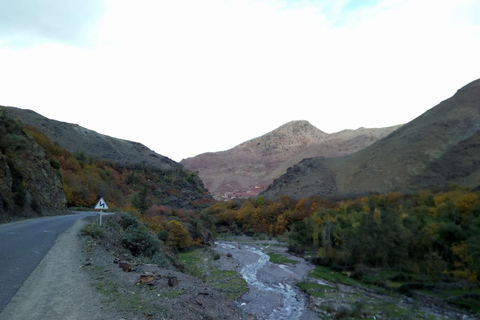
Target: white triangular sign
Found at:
x=101, y=205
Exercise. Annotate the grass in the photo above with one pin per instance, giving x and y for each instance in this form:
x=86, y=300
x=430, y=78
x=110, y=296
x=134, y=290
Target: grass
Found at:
x=314, y=289
x=123, y=297
x=200, y=264
x=278, y=258
x=327, y=274
x=229, y=283
x=371, y=307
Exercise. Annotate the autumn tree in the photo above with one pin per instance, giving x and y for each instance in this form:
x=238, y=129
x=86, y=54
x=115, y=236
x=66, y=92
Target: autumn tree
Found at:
x=178, y=237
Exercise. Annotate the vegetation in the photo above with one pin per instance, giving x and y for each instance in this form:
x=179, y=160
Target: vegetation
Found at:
x=85, y=179
x=422, y=239
x=200, y=263
x=278, y=258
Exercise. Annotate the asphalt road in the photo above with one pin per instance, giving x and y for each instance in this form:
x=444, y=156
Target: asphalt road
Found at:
x=23, y=245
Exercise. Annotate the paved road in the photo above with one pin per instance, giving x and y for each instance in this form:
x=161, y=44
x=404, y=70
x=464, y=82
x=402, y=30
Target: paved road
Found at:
x=23, y=245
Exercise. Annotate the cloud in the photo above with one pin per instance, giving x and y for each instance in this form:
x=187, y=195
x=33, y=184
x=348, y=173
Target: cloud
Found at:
x=185, y=77
x=26, y=23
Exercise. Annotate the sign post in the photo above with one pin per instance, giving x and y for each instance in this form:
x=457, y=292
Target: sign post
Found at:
x=101, y=205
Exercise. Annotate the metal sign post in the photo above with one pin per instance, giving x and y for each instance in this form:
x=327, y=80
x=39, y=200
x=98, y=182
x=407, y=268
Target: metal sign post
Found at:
x=100, y=206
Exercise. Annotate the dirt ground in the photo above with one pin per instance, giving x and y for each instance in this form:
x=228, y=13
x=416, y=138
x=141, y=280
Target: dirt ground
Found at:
x=58, y=288
x=80, y=278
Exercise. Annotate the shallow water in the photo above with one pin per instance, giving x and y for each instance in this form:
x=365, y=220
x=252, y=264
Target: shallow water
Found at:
x=272, y=294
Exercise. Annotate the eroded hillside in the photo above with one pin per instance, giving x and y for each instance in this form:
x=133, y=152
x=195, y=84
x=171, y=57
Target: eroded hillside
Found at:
x=250, y=167
x=434, y=150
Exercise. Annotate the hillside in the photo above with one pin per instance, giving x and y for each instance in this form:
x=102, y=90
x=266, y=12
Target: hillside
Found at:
x=75, y=138
x=29, y=184
x=52, y=165
x=250, y=167
x=438, y=148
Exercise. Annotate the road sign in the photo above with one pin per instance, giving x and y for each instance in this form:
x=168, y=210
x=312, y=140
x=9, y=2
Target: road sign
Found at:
x=101, y=205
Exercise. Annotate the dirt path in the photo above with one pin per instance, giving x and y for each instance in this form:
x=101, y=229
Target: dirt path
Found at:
x=58, y=288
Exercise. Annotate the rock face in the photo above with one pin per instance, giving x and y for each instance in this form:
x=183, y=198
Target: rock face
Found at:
x=29, y=185
x=440, y=147
x=74, y=138
x=250, y=167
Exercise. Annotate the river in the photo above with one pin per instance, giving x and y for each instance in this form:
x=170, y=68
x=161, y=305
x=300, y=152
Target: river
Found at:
x=272, y=291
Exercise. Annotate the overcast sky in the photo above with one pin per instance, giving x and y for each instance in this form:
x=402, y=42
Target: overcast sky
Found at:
x=188, y=77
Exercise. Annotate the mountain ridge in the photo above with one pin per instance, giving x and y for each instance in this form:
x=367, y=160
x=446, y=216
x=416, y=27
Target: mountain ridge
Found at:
x=249, y=167
x=74, y=137
x=402, y=161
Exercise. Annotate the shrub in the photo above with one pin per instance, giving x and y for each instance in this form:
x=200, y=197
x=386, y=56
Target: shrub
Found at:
x=216, y=256
x=129, y=221
x=160, y=259
x=163, y=235
x=140, y=242
x=93, y=229
x=55, y=164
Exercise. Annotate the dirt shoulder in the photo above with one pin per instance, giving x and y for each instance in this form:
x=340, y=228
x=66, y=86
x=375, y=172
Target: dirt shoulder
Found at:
x=81, y=278
x=58, y=288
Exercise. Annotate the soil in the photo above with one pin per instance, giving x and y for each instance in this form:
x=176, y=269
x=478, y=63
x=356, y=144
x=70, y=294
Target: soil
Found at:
x=58, y=288
x=80, y=278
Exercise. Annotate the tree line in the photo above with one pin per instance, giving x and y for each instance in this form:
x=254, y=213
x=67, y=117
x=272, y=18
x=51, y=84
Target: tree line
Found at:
x=431, y=233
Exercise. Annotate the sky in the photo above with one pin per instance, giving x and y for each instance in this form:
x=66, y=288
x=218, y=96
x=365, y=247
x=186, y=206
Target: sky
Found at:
x=188, y=77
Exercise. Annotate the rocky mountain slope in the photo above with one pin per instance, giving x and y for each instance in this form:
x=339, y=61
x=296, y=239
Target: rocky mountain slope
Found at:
x=47, y=163
x=29, y=184
x=250, y=167
x=438, y=148
x=76, y=138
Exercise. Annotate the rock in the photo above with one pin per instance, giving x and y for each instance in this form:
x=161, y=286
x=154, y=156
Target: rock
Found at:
x=147, y=277
x=172, y=281
x=125, y=266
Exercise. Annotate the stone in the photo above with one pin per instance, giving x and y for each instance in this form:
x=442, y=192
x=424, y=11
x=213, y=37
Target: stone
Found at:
x=172, y=281
x=125, y=266
x=147, y=277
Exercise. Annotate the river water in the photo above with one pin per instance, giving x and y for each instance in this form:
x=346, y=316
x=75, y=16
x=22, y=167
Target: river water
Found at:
x=272, y=294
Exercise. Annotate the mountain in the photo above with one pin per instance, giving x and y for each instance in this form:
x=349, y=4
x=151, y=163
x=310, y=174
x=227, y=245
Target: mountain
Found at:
x=52, y=165
x=75, y=138
x=439, y=148
x=29, y=184
x=250, y=167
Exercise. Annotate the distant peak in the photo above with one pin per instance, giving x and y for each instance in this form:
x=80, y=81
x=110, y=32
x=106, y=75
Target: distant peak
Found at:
x=299, y=125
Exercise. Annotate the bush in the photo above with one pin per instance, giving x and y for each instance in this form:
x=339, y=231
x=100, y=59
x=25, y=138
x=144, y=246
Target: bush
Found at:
x=160, y=259
x=296, y=248
x=140, y=242
x=93, y=229
x=216, y=256
x=163, y=235
x=129, y=221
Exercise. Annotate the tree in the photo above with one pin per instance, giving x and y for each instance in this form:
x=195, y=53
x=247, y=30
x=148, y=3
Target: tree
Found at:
x=178, y=237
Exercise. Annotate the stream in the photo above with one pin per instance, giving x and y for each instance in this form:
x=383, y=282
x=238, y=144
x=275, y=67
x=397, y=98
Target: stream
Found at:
x=272, y=292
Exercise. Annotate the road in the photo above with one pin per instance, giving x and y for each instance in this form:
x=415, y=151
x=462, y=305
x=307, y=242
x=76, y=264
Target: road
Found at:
x=23, y=245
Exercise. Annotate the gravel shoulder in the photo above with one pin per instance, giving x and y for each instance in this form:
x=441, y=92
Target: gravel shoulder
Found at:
x=58, y=288
x=80, y=278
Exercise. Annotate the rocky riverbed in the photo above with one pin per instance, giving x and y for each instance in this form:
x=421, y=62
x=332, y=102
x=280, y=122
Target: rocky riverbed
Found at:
x=272, y=293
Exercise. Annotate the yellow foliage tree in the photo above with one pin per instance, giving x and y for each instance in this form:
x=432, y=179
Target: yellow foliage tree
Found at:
x=178, y=237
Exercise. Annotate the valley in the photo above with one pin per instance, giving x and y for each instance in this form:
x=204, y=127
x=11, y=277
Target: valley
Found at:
x=295, y=224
